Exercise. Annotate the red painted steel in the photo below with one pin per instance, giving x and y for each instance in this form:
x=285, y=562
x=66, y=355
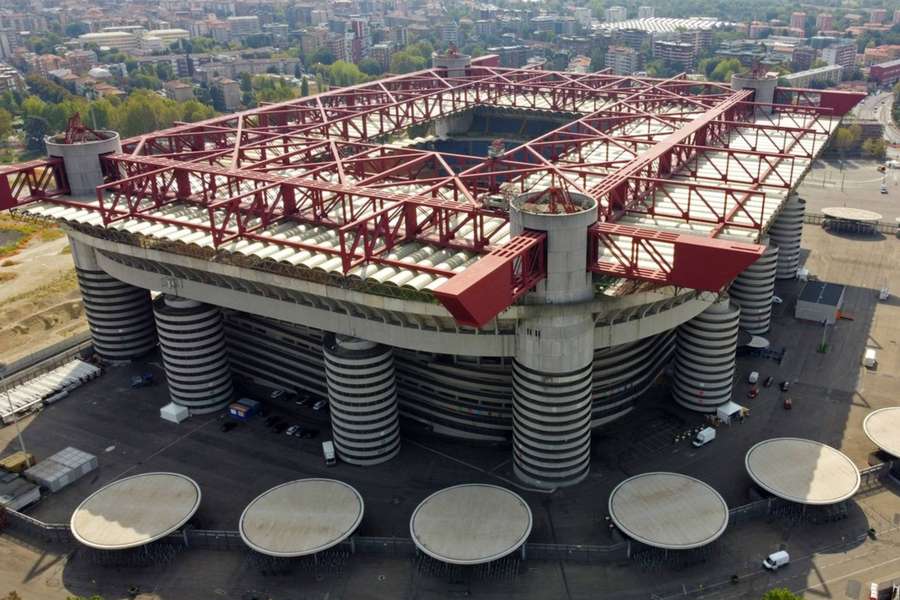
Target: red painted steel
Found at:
x=319, y=161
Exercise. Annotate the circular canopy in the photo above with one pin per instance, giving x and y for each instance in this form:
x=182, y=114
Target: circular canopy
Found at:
x=668, y=510
x=470, y=524
x=883, y=428
x=301, y=517
x=135, y=511
x=802, y=471
x=851, y=214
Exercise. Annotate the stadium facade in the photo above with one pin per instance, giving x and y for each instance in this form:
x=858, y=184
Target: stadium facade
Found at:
x=380, y=247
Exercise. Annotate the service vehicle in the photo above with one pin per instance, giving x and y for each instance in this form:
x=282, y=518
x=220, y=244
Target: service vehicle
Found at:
x=328, y=453
x=753, y=377
x=776, y=560
x=704, y=436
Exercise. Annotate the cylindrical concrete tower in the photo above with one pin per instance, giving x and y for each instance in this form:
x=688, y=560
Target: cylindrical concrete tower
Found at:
x=786, y=232
x=192, y=343
x=704, y=357
x=763, y=86
x=753, y=290
x=455, y=63
x=82, y=159
x=553, y=366
x=119, y=315
x=365, y=420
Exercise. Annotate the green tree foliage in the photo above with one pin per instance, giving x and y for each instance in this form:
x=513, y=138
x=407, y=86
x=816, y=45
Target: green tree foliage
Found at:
x=75, y=29
x=322, y=56
x=43, y=43
x=304, y=87
x=342, y=74
x=370, y=67
x=5, y=125
x=725, y=69
x=164, y=71
x=846, y=139
x=272, y=89
x=781, y=594
x=217, y=98
x=406, y=62
x=46, y=90
x=874, y=148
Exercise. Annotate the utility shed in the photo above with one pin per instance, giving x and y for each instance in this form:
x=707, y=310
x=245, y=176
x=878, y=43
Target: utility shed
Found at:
x=820, y=301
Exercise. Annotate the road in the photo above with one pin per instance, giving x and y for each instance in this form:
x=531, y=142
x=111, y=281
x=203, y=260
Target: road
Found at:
x=878, y=108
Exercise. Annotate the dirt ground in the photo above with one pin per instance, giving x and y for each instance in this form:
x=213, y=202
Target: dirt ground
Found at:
x=39, y=300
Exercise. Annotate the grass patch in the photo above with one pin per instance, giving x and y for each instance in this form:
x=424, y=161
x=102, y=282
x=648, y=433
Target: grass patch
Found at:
x=66, y=250
x=7, y=276
x=61, y=285
x=28, y=230
x=8, y=263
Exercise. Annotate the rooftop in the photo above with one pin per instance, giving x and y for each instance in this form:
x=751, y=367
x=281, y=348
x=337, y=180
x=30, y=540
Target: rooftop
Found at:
x=820, y=292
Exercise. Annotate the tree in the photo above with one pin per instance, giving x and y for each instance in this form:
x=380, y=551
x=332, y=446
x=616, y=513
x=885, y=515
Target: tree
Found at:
x=304, y=87
x=5, y=125
x=406, y=62
x=164, y=71
x=874, y=147
x=322, y=56
x=370, y=67
x=35, y=130
x=217, y=98
x=75, y=29
x=845, y=139
x=780, y=594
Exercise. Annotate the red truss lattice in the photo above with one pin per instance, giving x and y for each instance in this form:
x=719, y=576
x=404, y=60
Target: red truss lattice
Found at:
x=635, y=145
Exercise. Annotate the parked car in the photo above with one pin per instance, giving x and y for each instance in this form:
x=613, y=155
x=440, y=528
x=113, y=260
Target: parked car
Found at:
x=228, y=426
x=769, y=381
x=788, y=403
x=753, y=393
x=776, y=560
x=319, y=405
x=292, y=430
x=142, y=380
x=753, y=377
x=785, y=385
x=777, y=300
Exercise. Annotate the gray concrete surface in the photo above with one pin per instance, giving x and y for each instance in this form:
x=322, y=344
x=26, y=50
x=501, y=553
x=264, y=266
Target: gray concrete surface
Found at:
x=832, y=393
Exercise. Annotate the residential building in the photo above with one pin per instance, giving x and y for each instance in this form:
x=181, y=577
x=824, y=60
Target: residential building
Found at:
x=10, y=79
x=877, y=15
x=843, y=53
x=583, y=16
x=622, y=60
x=802, y=58
x=826, y=74
x=179, y=91
x=798, y=20
x=881, y=54
x=117, y=40
x=824, y=22
x=381, y=53
x=646, y=12
x=614, y=14
x=243, y=26
x=886, y=73
x=231, y=93
x=448, y=33
x=680, y=53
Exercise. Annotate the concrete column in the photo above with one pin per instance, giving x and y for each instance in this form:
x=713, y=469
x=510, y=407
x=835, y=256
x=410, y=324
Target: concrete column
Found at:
x=82, y=160
x=553, y=365
x=119, y=315
x=704, y=357
x=362, y=393
x=763, y=87
x=786, y=233
x=192, y=344
x=753, y=290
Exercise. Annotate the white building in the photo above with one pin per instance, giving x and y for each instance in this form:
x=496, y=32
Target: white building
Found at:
x=614, y=14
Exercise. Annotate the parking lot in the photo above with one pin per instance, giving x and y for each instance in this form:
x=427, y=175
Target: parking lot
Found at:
x=856, y=183
x=831, y=394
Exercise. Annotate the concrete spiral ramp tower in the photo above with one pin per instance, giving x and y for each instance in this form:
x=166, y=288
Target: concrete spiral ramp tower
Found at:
x=704, y=357
x=553, y=365
x=753, y=291
x=362, y=391
x=120, y=316
x=786, y=233
x=192, y=343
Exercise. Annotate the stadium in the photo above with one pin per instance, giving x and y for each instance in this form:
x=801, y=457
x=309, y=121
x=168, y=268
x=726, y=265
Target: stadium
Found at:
x=487, y=254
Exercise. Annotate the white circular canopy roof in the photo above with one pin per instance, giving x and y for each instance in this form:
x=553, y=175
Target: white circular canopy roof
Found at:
x=135, y=511
x=301, y=517
x=851, y=214
x=668, y=510
x=470, y=524
x=802, y=471
x=882, y=426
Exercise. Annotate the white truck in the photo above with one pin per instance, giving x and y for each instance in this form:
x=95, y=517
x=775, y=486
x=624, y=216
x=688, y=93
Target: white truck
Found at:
x=776, y=560
x=704, y=436
x=870, y=358
x=328, y=453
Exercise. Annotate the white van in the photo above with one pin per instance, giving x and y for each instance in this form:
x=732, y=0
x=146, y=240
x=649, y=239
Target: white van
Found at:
x=753, y=377
x=704, y=436
x=776, y=560
x=328, y=453
x=870, y=358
